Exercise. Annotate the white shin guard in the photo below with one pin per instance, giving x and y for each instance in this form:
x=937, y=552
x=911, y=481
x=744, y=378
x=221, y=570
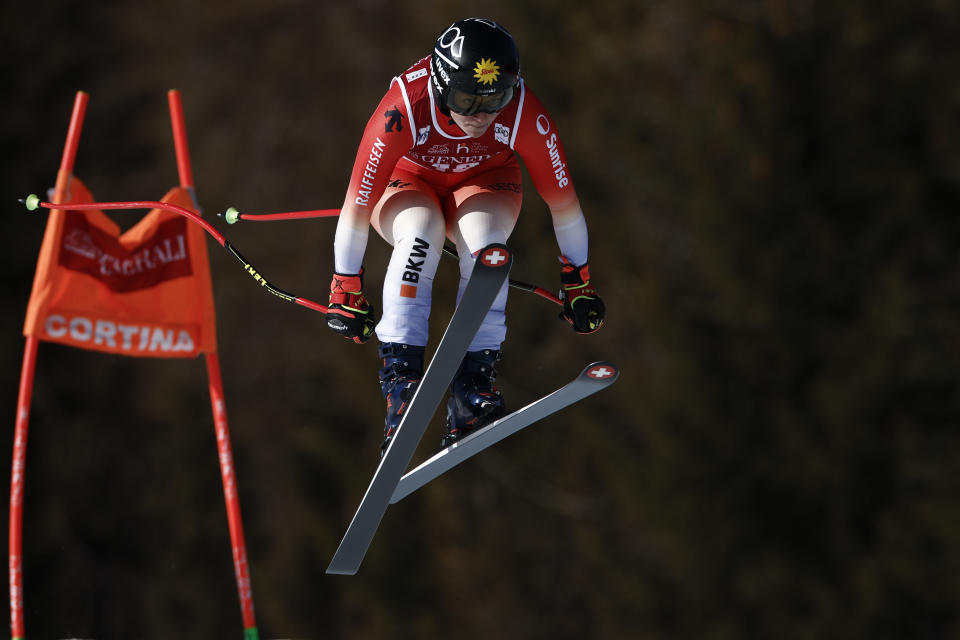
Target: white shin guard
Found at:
x=408, y=284
x=493, y=330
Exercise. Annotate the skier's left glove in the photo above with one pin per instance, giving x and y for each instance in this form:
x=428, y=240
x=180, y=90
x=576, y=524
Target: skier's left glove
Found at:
x=348, y=312
x=582, y=307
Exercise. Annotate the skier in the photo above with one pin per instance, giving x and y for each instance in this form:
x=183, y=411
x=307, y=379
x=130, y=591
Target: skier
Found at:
x=444, y=164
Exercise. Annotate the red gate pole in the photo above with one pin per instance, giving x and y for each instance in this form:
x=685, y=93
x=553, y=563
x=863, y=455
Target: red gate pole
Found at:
x=227, y=471
x=16, y=488
x=27, y=372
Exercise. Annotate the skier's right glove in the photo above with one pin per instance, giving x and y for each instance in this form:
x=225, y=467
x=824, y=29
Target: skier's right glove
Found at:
x=348, y=312
x=582, y=307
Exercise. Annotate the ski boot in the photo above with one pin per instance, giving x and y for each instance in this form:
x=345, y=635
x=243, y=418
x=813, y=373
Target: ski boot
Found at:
x=474, y=401
x=399, y=377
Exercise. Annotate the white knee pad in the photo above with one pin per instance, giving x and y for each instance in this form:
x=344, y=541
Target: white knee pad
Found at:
x=475, y=229
x=417, y=236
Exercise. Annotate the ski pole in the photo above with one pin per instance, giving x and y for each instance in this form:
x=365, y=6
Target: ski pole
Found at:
x=231, y=215
x=33, y=202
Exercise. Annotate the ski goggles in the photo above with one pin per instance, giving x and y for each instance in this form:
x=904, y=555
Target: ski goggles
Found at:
x=467, y=104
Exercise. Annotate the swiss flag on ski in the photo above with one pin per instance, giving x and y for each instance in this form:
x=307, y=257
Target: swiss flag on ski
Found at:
x=490, y=271
x=593, y=378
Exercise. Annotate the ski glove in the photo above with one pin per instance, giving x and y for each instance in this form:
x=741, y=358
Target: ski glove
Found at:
x=582, y=307
x=348, y=312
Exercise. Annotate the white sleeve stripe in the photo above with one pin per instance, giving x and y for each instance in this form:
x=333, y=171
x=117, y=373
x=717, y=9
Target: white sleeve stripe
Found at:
x=516, y=122
x=406, y=101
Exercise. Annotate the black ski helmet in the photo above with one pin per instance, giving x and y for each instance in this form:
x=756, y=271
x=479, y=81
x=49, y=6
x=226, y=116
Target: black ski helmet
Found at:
x=475, y=66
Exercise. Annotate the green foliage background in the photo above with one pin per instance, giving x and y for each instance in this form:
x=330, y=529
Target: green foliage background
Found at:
x=771, y=189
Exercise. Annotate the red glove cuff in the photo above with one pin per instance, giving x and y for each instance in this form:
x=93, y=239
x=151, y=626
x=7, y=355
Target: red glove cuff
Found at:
x=573, y=276
x=346, y=289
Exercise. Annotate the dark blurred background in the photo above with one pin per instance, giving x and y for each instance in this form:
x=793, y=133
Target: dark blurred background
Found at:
x=771, y=189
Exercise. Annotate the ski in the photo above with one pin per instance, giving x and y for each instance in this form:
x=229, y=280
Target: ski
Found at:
x=596, y=376
x=490, y=271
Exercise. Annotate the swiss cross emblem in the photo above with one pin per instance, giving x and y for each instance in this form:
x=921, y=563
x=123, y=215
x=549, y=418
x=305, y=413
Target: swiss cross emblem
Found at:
x=601, y=372
x=495, y=257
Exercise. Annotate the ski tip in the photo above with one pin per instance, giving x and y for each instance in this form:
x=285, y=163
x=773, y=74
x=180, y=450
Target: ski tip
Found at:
x=495, y=255
x=343, y=566
x=603, y=372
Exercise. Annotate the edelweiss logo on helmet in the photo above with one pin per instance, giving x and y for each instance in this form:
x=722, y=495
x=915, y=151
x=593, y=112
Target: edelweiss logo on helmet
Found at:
x=487, y=71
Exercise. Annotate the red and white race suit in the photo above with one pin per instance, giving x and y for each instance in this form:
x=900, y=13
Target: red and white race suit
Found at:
x=465, y=188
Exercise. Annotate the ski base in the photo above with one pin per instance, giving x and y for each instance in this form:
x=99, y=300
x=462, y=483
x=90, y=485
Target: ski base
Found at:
x=490, y=271
x=593, y=378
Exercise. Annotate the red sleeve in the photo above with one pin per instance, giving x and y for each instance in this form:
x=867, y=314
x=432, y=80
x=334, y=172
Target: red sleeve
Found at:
x=538, y=143
x=385, y=139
